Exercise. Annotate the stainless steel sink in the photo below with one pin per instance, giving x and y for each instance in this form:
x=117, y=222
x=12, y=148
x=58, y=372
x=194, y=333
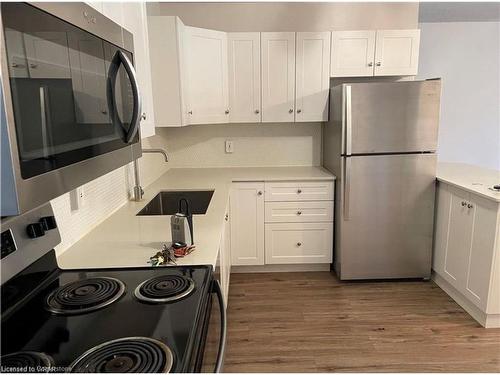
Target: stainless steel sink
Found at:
x=167, y=202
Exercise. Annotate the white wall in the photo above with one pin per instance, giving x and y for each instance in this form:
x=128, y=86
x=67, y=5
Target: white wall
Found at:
x=466, y=55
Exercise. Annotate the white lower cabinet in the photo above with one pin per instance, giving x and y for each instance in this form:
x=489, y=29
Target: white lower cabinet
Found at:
x=247, y=223
x=466, y=250
x=269, y=228
x=288, y=243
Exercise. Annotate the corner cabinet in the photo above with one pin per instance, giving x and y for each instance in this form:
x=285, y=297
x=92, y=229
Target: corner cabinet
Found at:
x=207, y=76
x=374, y=53
x=466, y=260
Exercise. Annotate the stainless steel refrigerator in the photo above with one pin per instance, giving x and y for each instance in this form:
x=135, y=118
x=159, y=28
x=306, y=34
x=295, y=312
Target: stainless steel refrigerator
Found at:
x=380, y=142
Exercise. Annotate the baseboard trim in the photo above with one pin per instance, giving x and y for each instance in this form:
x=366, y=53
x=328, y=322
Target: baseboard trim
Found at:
x=281, y=268
x=486, y=320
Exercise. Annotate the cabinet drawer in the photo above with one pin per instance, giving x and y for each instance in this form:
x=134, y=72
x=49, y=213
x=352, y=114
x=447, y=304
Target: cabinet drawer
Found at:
x=299, y=212
x=288, y=243
x=299, y=191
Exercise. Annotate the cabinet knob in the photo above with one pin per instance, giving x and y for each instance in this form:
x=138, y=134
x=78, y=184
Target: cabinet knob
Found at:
x=259, y=192
x=299, y=110
x=226, y=217
x=14, y=65
x=464, y=203
x=379, y=63
x=257, y=111
x=226, y=111
x=299, y=244
x=143, y=116
x=370, y=63
x=190, y=112
x=469, y=205
x=299, y=212
x=299, y=191
x=104, y=111
x=32, y=65
x=290, y=110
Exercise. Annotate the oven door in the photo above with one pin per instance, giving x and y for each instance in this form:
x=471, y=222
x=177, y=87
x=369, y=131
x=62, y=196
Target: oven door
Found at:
x=211, y=358
x=70, y=96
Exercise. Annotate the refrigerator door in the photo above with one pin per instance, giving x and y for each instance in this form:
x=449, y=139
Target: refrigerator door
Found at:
x=385, y=216
x=391, y=117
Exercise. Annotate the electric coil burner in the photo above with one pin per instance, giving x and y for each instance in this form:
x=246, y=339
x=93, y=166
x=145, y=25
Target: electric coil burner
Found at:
x=130, y=354
x=85, y=295
x=24, y=361
x=88, y=320
x=165, y=288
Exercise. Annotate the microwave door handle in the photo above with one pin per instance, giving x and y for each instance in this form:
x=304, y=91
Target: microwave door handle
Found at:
x=136, y=118
x=223, y=330
x=121, y=58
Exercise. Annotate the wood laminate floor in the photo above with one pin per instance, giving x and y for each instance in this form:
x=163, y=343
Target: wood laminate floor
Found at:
x=311, y=322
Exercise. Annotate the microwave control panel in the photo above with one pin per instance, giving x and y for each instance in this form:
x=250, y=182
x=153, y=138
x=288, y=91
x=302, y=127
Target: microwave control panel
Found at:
x=8, y=243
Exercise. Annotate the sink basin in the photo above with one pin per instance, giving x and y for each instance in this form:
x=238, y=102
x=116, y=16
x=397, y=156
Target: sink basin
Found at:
x=167, y=202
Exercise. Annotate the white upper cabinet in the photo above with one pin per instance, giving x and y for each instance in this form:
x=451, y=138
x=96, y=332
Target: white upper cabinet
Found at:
x=312, y=76
x=207, y=76
x=396, y=52
x=374, y=53
x=135, y=20
x=244, y=77
x=352, y=53
x=47, y=54
x=168, y=67
x=278, y=76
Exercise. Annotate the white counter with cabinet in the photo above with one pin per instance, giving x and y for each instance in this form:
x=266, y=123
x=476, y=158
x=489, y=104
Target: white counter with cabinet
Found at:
x=466, y=260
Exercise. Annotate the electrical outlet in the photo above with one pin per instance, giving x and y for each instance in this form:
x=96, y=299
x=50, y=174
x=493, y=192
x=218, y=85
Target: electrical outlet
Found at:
x=229, y=147
x=76, y=198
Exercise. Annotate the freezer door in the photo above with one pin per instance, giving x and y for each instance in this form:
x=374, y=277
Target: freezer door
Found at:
x=391, y=117
x=385, y=216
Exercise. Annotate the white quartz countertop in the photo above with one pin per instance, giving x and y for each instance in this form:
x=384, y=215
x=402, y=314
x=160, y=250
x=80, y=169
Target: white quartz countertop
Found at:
x=127, y=240
x=469, y=177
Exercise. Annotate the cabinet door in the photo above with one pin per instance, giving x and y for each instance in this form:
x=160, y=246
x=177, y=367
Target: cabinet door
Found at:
x=113, y=10
x=167, y=42
x=244, y=77
x=278, y=76
x=288, y=243
x=312, y=76
x=482, y=249
x=352, y=53
x=396, y=52
x=459, y=239
x=247, y=223
x=207, y=76
x=135, y=21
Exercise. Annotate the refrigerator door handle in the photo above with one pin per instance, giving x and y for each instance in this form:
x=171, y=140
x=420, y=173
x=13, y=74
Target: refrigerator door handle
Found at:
x=347, y=186
x=348, y=120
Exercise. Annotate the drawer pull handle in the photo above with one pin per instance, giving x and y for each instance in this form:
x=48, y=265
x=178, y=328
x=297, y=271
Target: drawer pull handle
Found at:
x=299, y=212
x=299, y=191
x=299, y=244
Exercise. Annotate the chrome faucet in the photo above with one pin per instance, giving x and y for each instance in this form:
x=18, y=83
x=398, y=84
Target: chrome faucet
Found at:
x=138, y=190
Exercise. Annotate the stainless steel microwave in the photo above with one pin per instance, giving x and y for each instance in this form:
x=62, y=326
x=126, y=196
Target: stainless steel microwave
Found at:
x=70, y=103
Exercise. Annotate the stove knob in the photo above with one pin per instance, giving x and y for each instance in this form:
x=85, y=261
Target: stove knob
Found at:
x=35, y=230
x=48, y=222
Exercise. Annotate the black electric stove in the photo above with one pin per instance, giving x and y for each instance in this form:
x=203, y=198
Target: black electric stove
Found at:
x=104, y=320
